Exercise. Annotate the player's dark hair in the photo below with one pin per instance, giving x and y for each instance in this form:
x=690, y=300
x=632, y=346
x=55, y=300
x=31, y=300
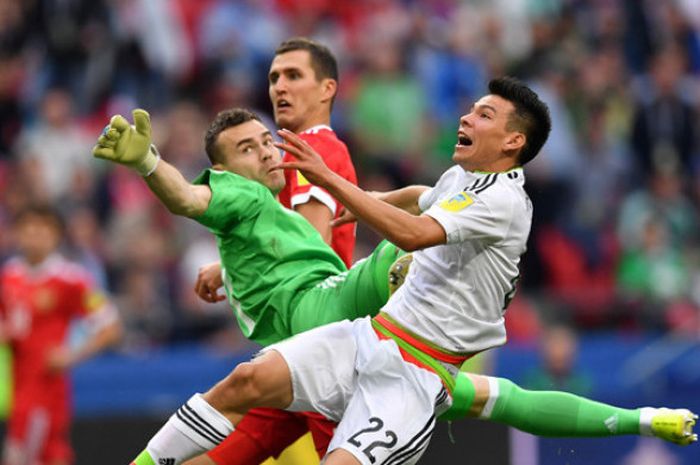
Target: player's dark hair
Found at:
x=45, y=213
x=323, y=61
x=531, y=115
x=224, y=120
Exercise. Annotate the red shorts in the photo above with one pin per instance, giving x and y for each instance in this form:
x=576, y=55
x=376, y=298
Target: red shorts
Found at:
x=273, y=431
x=39, y=434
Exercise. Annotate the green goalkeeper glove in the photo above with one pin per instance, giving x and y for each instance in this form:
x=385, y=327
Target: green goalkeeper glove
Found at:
x=129, y=145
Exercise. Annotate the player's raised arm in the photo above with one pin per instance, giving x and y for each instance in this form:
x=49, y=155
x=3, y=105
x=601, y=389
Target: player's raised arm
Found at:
x=407, y=231
x=131, y=146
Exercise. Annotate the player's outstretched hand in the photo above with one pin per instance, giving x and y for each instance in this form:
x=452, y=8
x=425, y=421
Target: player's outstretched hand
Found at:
x=209, y=282
x=307, y=160
x=128, y=145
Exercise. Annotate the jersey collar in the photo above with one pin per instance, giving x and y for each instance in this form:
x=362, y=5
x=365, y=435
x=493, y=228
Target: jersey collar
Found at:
x=516, y=174
x=315, y=129
x=50, y=264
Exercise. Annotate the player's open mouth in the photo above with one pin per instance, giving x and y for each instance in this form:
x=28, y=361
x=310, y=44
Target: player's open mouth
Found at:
x=463, y=140
x=283, y=104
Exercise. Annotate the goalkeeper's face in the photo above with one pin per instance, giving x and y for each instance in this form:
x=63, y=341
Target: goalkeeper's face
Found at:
x=248, y=150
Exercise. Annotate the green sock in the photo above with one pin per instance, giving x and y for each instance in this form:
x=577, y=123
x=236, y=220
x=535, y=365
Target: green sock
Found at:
x=556, y=413
x=144, y=458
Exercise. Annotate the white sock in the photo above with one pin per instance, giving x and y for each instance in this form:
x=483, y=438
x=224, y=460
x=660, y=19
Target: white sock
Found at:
x=195, y=428
x=494, y=391
x=645, y=416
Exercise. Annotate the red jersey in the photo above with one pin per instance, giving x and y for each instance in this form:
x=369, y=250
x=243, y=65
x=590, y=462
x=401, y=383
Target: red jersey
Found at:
x=298, y=190
x=37, y=305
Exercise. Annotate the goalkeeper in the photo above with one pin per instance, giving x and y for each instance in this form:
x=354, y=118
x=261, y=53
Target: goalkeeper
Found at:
x=279, y=275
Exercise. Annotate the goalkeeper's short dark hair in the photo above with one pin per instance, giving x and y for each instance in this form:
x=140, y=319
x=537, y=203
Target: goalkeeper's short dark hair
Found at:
x=224, y=120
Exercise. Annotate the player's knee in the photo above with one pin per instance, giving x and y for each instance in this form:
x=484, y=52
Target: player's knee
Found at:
x=245, y=381
x=240, y=387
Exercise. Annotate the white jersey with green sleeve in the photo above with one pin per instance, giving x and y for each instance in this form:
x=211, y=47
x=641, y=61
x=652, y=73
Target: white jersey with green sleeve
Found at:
x=269, y=254
x=455, y=295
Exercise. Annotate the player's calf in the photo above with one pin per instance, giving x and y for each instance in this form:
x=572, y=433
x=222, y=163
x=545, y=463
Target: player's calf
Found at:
x=203, y=422
x=561, y=414
x=194, y=428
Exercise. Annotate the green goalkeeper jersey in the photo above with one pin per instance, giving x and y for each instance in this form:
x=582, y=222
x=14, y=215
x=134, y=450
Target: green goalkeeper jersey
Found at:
x=270, y=255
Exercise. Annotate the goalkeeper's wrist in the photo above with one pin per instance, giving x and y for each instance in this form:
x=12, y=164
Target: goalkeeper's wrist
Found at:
x=148, y=165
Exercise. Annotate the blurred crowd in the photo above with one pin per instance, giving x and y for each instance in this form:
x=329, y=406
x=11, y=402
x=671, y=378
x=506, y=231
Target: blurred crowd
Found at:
x=615, y=241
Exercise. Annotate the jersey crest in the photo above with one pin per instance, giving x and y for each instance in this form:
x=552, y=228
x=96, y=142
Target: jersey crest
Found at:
x=457, y=202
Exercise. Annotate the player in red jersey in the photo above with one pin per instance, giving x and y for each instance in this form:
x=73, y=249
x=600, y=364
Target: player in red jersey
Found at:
x=314, y=202
x=303, y=81
x=40, y=294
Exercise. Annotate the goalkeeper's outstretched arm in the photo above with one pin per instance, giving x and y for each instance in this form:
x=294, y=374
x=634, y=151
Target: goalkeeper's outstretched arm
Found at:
x=131, y=146
x=176, y=193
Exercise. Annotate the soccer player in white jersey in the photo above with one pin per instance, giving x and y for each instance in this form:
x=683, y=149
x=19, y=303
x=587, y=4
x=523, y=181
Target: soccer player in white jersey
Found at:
x=387, y=378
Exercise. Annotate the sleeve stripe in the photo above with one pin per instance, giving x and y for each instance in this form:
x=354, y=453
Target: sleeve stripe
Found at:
x=318, y=194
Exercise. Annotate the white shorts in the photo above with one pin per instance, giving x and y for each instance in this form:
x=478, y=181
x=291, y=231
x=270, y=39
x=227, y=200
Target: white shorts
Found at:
x=386, y=407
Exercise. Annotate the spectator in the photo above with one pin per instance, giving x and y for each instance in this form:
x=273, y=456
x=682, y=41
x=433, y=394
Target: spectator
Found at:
x=557, y=371
x=654, y=277
x=663, y=131
x=52, y=152
x=392, y=141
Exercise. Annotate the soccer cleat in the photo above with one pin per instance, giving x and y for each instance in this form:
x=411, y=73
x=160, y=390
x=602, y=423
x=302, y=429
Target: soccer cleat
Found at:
x=398, y=271
x=144, y=458
x=674, y=425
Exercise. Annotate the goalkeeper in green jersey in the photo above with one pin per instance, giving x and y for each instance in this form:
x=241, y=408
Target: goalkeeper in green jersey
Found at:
x=280, y=277
x=285, y=280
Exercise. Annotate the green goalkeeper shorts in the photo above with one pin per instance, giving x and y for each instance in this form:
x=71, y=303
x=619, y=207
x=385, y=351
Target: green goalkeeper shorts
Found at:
x=358, y=292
